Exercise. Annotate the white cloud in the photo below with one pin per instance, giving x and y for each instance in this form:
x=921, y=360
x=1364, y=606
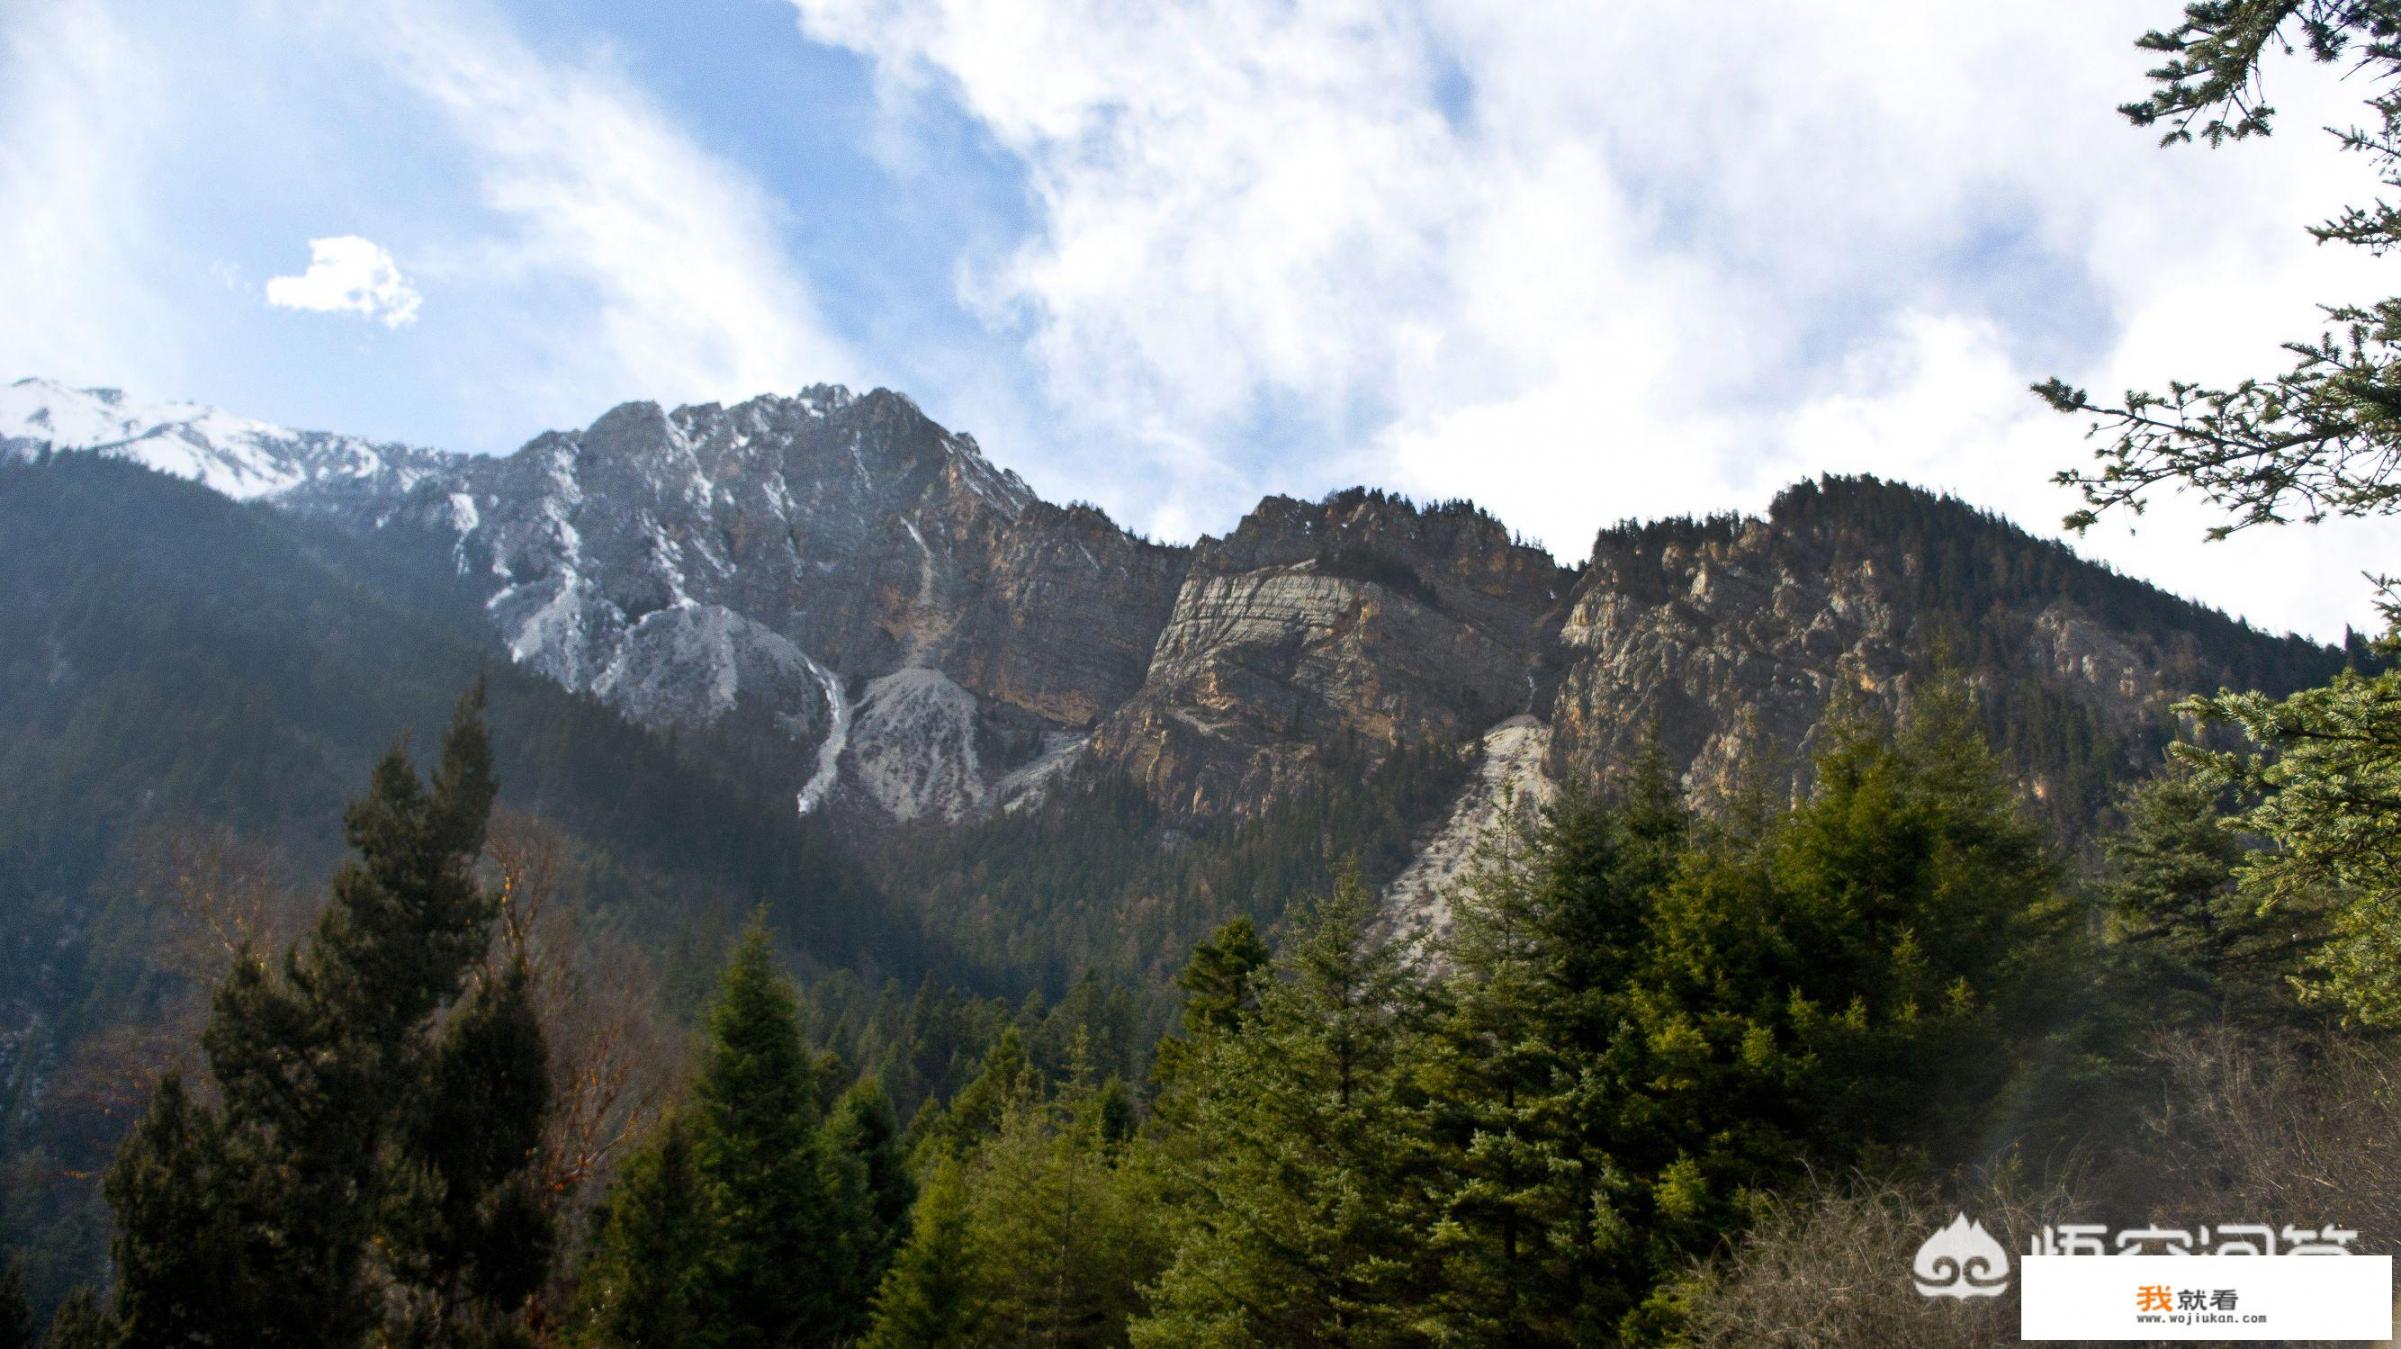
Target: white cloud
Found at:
x=583, y=246
x=682, y=282
x=349, y=275
x=82, y=99
x=1654, y=260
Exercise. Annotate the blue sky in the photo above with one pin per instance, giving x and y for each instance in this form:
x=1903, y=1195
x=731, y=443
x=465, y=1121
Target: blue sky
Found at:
x=1580, y=263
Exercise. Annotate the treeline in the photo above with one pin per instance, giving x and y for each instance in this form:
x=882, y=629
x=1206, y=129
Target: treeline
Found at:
x=1649, y=1029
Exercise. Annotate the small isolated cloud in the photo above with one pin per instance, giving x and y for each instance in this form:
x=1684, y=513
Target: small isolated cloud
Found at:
x=348, y=275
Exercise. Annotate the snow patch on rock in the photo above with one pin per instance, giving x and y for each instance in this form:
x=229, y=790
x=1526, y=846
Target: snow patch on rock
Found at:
x=822, y=782
x=239, y=457
x=1025, y=786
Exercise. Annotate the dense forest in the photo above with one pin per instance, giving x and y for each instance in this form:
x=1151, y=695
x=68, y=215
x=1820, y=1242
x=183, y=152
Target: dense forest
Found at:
x=1654, y=1029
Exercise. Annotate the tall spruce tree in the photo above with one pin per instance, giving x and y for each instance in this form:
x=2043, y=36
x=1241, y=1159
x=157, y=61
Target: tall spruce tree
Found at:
x=642, y=1280
x=1856, y=982
x=183, y=1241
x=933, y=1296
x=774, y=1268
x=288, y=1214
x=1545, y=940
x=2319, y=439
x=472, y=1229
x=16, y=1317
x=869, y=1193
x=1062, y=1239
x=2190, y=943
x=1304, y=1214
x=974, y=1114
x=1220, y=984
x=81, y=1323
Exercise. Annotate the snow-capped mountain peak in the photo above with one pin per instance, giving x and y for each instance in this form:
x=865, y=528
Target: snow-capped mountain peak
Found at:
x=240, y=457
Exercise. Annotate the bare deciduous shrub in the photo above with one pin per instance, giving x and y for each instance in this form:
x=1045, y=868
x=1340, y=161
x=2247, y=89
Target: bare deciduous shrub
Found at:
x=2286, y=1132
x=2292, y=1132
x=1830, y=1266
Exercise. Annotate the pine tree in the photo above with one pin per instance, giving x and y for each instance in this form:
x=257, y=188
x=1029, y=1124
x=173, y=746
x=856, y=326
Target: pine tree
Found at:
x=1220, y=984
x=933, y=1296
x=1061, y=1240
x=868, y=1191
x=642, y=1280
x=2324, y=793
x=2195, y=947
x=1543, y=947
x=1525, y=1071
x=1304, y=1221
x=774, y=1268
x=1855, y=980
x=180, y=1246
x=974, y=1114
x=474, y=1228
x=2319, y=439
x=267, y=1220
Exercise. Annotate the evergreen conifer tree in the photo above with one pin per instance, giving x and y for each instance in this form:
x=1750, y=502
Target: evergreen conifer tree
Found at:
x=296, y=1212
x=1062, y=1241
x=868, y=1191
x=1305, y=1216
x=933, y=1296
x=642, y=1280
x=774, y=1267
x=16, y=1318
x=974, y=1114
x=180, y=1245
x=2319, y=439
x=2192, y=945
x=81, y=1323
x=1220, y=984
x=470, y=1221
x=1544, y=943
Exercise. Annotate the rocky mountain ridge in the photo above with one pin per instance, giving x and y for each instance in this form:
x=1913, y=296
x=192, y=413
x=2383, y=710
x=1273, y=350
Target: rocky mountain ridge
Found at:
x=930, y=641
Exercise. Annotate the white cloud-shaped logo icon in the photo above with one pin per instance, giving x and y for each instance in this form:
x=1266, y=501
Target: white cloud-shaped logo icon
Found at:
x=1962, y=1260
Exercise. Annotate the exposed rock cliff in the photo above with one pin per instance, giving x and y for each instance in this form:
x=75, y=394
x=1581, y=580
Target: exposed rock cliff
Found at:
x=840, y=575
x=1730, y=638
x=1360, y=616
x=835, y=568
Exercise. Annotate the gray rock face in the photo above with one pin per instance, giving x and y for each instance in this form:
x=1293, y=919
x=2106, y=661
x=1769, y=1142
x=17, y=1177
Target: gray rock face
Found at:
x=1361, y=616
x=1732, y=639
x=693, y=665
x=1506, y=789
x=837, y=567
x=934, y=642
